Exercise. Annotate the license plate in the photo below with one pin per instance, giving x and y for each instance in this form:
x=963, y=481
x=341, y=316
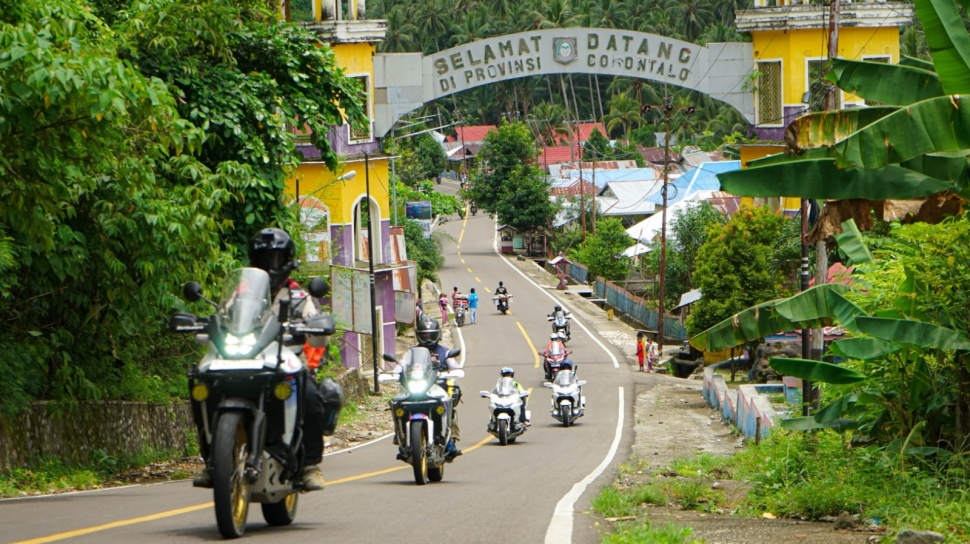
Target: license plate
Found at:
x=236, y=364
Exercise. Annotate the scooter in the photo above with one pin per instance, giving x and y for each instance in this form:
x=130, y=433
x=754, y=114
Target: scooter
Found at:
x=247, y=394
x=423, y=411
x=505, y=402
x=568, y=401
x=461, y=308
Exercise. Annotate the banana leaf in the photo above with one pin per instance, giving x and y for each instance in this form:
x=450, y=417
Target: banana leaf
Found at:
x=816, y=371
x=821, y=179
x=888, y=84
x=950, y=166
x=820, y=306
x=914, y=62
x=916, y=333
x=807, y=154
x=851, y=243
x=863, y=348
x=931, y=126
x=837, y=410
x=810, y=424
x=948, y=42
x=822, y=129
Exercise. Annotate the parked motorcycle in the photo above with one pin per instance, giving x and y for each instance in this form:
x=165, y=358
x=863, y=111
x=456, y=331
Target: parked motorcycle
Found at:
x=247, y=396
x=560, y=324
x=461, y=308
x=568, y=401
x=554, y=355
x=502, y=303
x=423, y=411
x=505, y=402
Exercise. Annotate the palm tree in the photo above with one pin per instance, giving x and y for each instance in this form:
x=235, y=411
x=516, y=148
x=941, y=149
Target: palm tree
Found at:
x=695, y=16
x=400, y=33
x=624, y=113
x=548, y=120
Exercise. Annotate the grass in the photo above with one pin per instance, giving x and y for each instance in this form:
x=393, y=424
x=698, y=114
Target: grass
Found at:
x=53, y=476
x=797, y=475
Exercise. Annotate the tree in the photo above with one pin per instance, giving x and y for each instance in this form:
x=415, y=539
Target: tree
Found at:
x=526, y=205
x=597, y=147
x=504, y=152
x=426, y=252
x=734, y=267
x=603, y=253
x=624, y=114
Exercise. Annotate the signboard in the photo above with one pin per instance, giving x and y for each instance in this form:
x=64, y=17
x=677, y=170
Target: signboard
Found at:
x=351, y=298
x=420, y=212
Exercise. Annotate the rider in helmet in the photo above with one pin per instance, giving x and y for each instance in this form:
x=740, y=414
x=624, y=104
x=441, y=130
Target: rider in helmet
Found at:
x=557, y=312
x=501, y=290
x=273, y=250
x=508, y=372
x=428, y=333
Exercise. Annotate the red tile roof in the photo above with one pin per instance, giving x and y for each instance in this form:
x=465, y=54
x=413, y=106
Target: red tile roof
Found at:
x=576, y=189
x=558, y=155
x=475, y=133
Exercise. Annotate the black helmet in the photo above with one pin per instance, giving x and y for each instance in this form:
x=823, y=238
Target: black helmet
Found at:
x=558, y=308
x=500, y=284
x=428, y=332
x=507, y=371
x=272, y=250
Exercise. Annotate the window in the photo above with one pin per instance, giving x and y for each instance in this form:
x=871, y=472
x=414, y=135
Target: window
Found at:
x=362, y=131
x=770, y=110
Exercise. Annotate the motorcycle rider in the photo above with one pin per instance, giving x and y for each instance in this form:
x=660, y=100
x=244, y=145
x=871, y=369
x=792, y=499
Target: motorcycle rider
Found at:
x=501, y=290
x=428, y=332
x=273, y=250
x=558, y=312
x=508, y=372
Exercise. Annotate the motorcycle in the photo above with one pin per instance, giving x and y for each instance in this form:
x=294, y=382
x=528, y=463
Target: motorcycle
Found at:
x=474, y=209
x=568, y=401
x=461, y=308
x=505, y=401
x=553, y=356
x=247, y=395
x=502, y=303
x=423, y=411
x=560, y=324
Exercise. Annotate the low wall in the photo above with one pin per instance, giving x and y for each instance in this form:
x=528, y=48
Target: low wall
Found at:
x=112, y=428
x=743, y=406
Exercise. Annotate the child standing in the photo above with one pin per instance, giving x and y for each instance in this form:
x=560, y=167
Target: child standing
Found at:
x=443, y=303
x=641, y=350
x=651, y=354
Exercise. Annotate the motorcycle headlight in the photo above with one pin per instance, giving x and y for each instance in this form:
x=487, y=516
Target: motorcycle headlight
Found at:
x=417, y=386
x=238, y=345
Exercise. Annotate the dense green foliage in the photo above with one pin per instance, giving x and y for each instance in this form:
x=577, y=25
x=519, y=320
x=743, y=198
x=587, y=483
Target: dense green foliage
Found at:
x=735, y=267
x=422, y=158
x=137, y=152
x=602, y=253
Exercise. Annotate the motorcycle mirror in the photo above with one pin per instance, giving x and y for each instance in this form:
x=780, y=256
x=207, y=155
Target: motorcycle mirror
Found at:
x=319, y=287
x=485, y=394
x=581, y=382
x=454, y=353
x=192, y=291
x=547, y=384
x=389, y=358
x=524, y=394
x=569, y=352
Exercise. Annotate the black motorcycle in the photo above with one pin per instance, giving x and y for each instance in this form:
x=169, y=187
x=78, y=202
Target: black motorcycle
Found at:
x=247, y=396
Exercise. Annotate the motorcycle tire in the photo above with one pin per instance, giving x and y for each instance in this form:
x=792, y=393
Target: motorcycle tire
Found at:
x=503, y=431
x=230, y=489
x=437, y=473
x=278, y=514
x=565, y=420
x=504, y=310
x=419, y=458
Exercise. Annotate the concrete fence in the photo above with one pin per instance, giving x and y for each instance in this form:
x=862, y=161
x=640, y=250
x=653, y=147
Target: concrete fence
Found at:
x=114, y=429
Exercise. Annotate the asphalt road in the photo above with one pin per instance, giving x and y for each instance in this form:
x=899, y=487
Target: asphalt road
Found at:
x=532, y=491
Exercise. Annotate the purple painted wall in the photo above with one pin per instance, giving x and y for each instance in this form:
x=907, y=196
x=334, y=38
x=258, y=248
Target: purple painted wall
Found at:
x=341, y=243
x=778, y=133
x=338, y=141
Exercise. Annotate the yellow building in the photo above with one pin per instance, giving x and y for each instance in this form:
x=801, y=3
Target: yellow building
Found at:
x=791, y=44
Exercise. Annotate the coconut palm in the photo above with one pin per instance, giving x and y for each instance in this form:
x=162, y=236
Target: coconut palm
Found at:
x=624, y=114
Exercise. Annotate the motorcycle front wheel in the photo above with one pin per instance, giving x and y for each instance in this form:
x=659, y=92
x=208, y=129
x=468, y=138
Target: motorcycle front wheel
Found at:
x=503, y=431
x=280, y=513
x=419, y=459
x=436, y=473
x=230, y=489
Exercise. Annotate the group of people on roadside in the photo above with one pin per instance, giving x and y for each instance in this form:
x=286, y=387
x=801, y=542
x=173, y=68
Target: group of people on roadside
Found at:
x=646, y=351
x=457, y=297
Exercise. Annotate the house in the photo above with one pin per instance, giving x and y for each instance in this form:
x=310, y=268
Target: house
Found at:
x=336, y=206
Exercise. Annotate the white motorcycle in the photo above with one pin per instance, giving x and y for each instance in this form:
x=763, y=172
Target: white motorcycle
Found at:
x=568, y=401
x=560, y=324
x=505, y=403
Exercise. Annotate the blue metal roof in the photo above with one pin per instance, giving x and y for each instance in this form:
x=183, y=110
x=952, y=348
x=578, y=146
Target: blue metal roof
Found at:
x=700, y=178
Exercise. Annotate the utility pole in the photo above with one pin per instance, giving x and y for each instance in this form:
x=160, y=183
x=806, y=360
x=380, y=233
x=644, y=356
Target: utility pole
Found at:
x=667, y=110
x=595, y=190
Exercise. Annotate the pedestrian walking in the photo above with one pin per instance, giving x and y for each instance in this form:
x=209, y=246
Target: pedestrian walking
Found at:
x=651, y=354
x=641, y=350
x=443, y=304
x=473, y=306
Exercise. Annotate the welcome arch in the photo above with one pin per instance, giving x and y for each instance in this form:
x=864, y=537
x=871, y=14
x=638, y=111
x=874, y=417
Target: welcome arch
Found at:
x=403, y=82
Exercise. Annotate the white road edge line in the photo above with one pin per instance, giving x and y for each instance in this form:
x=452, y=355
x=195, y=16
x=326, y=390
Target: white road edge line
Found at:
x=616, y=364
x=560, y=528
x=378, y=439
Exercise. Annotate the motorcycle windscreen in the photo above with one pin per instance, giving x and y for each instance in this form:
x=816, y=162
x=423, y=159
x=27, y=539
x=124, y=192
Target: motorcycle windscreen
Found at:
x=555, y=350
x=505, y=387
x=420, y=364
x=564, y=378
x=246, y=302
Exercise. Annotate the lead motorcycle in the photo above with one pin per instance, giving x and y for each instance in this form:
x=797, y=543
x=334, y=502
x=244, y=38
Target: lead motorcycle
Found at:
x=423, y=411
x=505, y=401
x=247, y=395
x=568, y=401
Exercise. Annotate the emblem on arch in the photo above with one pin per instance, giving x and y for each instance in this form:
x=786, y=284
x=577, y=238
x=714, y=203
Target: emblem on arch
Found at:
x=565, y=50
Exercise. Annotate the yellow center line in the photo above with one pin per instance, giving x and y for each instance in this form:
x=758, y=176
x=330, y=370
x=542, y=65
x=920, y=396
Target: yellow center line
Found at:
x=478, y=280
x=187, y=509
x=535, y=352
x=469, y=270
